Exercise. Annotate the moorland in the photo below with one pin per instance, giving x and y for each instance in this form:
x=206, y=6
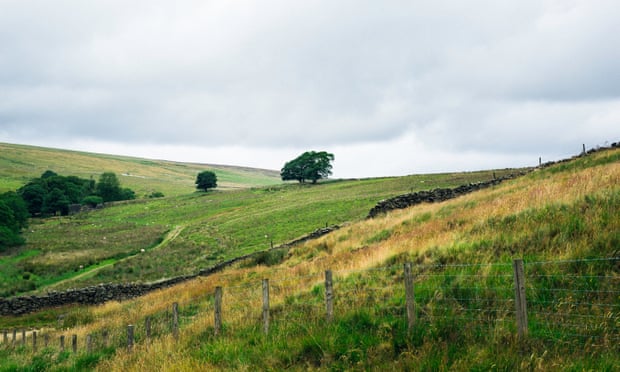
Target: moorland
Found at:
x=563, y=221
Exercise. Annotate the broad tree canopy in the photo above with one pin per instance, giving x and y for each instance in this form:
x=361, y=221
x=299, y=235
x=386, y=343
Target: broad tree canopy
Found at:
x=311, y=165
x=206, y=180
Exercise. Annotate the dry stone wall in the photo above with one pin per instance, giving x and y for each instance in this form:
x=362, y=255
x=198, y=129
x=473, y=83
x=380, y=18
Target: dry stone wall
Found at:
x=432, y=196
x=88, y=296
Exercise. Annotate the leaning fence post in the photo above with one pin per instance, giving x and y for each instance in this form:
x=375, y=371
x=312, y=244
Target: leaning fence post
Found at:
x=410, y=296
x=329, y=295
x=520, y=303
x=175, y=320
x=266, y=305
x=218, y=310
x=130, y=337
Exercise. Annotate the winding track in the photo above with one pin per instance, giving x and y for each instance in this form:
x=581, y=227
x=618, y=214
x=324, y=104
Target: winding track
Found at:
x=170, y=236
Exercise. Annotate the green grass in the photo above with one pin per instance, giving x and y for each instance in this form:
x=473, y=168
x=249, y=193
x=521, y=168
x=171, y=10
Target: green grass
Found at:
x=20, y=163
x=216, y=226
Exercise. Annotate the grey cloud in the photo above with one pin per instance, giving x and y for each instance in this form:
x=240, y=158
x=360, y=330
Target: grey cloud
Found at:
x=493, y=76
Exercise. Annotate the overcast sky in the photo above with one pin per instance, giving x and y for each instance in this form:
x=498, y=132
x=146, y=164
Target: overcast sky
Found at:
x=389, y=87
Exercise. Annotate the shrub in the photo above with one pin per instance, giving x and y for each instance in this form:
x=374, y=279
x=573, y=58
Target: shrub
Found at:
x=92, y=200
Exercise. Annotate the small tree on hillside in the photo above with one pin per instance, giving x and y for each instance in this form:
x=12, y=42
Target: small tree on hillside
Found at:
x=206, y=180
x=310, y=165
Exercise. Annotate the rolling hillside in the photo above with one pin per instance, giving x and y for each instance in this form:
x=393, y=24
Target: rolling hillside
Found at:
x=20, y=163
x=562, y=221
x=152, y=239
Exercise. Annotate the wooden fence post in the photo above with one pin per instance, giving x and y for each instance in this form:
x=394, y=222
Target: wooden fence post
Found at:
x=266, y=306
x=74, y=343
x=5, y=337
x=89, y=343
x=147, y=327
x=410, y=296
x=520, y=303
x=62, y=343
x=175, y=320
x=130, y=337
x=34, y=341
x=14, y=336
x=23, y=337
x=329, y=296
x=105, y=337
x=218, y=310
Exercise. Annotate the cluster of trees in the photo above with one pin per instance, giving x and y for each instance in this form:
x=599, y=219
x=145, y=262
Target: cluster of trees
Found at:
x=13, y=218
x=311, y=165
x=52, y=194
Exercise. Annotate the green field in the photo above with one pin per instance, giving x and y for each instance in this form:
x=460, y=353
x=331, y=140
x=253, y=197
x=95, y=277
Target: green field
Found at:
x=20, y=163
x=208, y=227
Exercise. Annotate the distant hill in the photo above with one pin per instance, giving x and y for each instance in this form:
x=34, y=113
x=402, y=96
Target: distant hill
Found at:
x=20, y=163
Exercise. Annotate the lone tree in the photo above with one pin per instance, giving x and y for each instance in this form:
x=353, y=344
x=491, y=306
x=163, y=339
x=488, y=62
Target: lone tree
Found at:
x=206, y=180
x=310, y=165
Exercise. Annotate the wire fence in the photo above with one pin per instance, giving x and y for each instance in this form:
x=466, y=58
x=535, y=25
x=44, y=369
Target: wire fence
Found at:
x=571, y=302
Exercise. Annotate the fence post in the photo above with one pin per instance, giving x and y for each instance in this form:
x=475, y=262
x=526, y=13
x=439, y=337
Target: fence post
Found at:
x=46, y=340
x=520, y=303
x=14, y=341
x=5, y=337
x=89, y=343
x=23, y=337
x=218, y=310
x=130, y=337
x=329, y=295
x=175, y=320
x=62, y=343
x=74, y=343
x=147, y=327
x=410, y=296
x=34, y=341
x=266, y=306
x=105, y=337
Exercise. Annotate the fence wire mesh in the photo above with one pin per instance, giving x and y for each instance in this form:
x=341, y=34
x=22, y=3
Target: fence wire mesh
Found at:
x=572, y=301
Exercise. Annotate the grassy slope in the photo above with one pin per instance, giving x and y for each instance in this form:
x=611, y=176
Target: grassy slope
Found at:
x=209, y=228
x=565, y=212
x=20, y=163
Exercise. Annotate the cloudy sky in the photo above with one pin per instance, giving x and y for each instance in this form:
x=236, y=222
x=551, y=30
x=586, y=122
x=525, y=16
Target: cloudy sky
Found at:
x=389, y=87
